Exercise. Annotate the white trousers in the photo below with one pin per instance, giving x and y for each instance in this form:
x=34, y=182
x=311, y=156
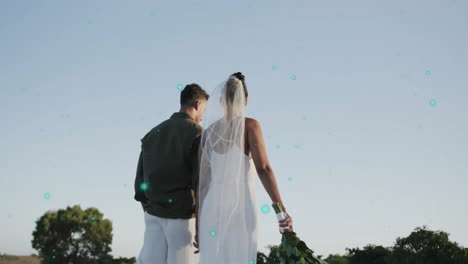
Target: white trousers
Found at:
x=168, y=241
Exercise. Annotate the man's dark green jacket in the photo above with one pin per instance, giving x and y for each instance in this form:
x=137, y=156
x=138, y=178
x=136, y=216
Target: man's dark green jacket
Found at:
x=167, y=170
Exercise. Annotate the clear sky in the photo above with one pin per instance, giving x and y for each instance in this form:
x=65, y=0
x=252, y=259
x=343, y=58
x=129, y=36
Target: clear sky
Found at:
x=363, y=105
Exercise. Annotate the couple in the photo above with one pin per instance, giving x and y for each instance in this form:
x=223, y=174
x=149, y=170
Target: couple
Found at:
x=196, y=185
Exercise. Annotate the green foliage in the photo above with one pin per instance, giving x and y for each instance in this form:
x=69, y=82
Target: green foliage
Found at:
x=273, y=255
x=292, y=250
x=261, y=258
x=121, y=261
x=427, y=247
x=337, y=259
x=371, y=254
x=73, y=236
x=422, y=246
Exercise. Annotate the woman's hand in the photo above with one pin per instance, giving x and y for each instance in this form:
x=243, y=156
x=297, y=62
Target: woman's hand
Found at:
x=287, y=223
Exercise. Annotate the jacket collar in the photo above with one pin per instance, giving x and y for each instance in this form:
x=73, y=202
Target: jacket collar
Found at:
x=181, y=115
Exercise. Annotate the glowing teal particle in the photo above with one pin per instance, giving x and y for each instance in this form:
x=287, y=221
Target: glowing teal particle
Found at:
x=428, y=72
x=290, y=179
x=151, y=13
x=296, y=146
x=432, y=102
x=277, y=146
x=274, y=67
x=170, y=200
x=92, y=218
x=144, y=186
x=265, y=209
x=47, y=196
x=251, y=262
x=53, y=257
x=212, y=233
x=180, y=87
x=293, y=77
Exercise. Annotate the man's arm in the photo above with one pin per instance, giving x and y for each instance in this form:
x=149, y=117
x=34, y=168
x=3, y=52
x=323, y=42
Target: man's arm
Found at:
x=195, y=162
x=139, y=193
x=195, y=180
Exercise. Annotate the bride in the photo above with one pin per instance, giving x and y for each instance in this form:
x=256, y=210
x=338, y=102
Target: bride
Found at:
x=232, y=151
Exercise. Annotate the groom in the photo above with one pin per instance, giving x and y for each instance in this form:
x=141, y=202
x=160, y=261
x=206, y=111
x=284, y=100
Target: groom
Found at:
x=166, y=182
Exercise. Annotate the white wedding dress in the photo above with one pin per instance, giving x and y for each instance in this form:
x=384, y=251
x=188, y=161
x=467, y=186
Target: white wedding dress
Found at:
x=227, y=216
x=240, y=236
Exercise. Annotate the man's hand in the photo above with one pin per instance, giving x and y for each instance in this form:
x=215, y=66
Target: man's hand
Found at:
x=196, y=244
x=196, y=237
x=145, y=205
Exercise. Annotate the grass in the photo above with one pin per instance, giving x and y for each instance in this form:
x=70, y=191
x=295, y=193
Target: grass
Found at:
x=9, y=259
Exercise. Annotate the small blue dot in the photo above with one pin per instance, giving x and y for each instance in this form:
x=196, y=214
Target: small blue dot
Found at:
x=47, y=196
x=180, y=87
x=293, y=77
x=428, y=72
x=432, y=102
x=212, y=233
x=265, y=209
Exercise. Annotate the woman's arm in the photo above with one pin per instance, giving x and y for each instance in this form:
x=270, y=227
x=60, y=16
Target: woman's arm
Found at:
x=262, y=165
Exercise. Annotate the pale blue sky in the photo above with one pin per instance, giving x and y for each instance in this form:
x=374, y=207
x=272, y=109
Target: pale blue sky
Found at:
x=368, y=155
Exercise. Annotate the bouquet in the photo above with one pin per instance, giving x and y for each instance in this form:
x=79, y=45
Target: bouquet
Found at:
x=292, y=249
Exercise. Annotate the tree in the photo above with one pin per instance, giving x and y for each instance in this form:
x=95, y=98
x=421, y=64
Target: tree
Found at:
x=121, y=260
x=424, y=246
x=371, y=254
x=73, y=236
x=337, y=259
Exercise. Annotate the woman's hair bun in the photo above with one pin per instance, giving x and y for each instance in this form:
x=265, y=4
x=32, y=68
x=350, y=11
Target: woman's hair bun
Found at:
x=239, y=76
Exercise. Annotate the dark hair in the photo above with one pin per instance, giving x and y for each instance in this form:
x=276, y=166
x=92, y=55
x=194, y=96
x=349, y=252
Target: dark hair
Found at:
x=241, y=77
x=192, y=93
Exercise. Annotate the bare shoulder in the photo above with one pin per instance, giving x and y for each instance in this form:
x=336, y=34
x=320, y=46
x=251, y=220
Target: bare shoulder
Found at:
x=251, y=123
